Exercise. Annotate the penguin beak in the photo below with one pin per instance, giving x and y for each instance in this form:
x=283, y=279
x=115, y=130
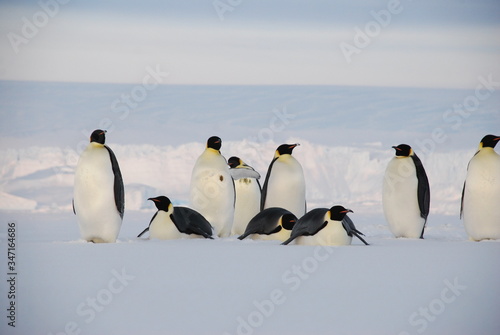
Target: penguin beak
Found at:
x=294, y=145
x=395, y=147
x=153, y=199
x=347, y=211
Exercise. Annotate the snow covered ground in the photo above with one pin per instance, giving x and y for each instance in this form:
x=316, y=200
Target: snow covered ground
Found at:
x=443, y=284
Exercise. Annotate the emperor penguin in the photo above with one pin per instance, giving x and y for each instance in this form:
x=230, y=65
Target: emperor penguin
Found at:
x=480, y=206
x=406, y=194
x=326, y=227
x=285, y=185
x=271, y=224
x=171, y=222
x=248, y=190
x=99, y=197
x=212, y=188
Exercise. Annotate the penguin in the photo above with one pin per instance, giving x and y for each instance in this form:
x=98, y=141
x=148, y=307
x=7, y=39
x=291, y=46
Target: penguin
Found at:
x=212, y=188
x=406, y=194
x=326, y=227
x=247, y=190
x=285, y=185
x=99, y=197
x=271, y=224
x=480, y=204
x=171, y=222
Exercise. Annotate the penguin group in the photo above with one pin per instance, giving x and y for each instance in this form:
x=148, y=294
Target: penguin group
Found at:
x=227, y=199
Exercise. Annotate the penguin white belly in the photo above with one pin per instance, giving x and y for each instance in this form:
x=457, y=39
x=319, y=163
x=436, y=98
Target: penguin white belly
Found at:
x=333, y=234
x=282, y=236
x=163, y=228
x=400, y=199
x=94, y=198
x=212, y=192
x=247, y=203
x=481, y=203
x=286, y=187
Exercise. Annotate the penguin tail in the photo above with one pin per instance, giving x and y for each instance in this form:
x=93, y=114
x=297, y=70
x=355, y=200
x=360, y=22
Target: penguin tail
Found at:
x=145, y=230
x=362, y=240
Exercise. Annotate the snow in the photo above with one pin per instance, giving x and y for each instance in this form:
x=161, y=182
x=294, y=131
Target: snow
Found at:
x=442, y=284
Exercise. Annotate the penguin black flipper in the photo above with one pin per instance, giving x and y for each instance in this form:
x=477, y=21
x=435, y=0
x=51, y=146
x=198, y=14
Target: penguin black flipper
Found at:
x=147, y=228
x=351, y=229
x=189, y=221
x=264, y=188
x=118, y=183
x=462, y=201
x=144, y=231
x=265, y=222
x=423, y=190
x=463, y=190
x=311, y=223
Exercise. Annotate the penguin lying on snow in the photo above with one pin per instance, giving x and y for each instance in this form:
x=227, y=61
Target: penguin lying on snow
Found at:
x=271, y=224
x=99, y=197
x=406, y=194
x=284, y=186
x=327, y=227
x=171, y=222
x=480, y=205
x=247, y=189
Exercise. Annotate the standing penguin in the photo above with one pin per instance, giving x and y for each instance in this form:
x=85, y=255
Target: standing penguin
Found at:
x=406, y=194
x=247, y=188
x=285, y=185
x=171, y=222
x=323, y=226
x=480, y=206
x=98, y=199
x=271, y=224
x=212, y=188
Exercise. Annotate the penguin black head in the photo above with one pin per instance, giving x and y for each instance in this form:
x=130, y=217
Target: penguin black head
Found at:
x=337, y=213
x=162, y=203
x=214, y=142
x=288, y=221
x=234, y=162
x=489, y=141
x=98, y=136
x=285, y=149
x=403, y=150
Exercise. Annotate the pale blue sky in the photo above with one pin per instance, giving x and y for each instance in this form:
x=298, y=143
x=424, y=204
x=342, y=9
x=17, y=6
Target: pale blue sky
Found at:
x=424, y=43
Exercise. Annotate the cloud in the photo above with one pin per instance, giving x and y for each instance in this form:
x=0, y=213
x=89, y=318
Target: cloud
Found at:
x=111, y=44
